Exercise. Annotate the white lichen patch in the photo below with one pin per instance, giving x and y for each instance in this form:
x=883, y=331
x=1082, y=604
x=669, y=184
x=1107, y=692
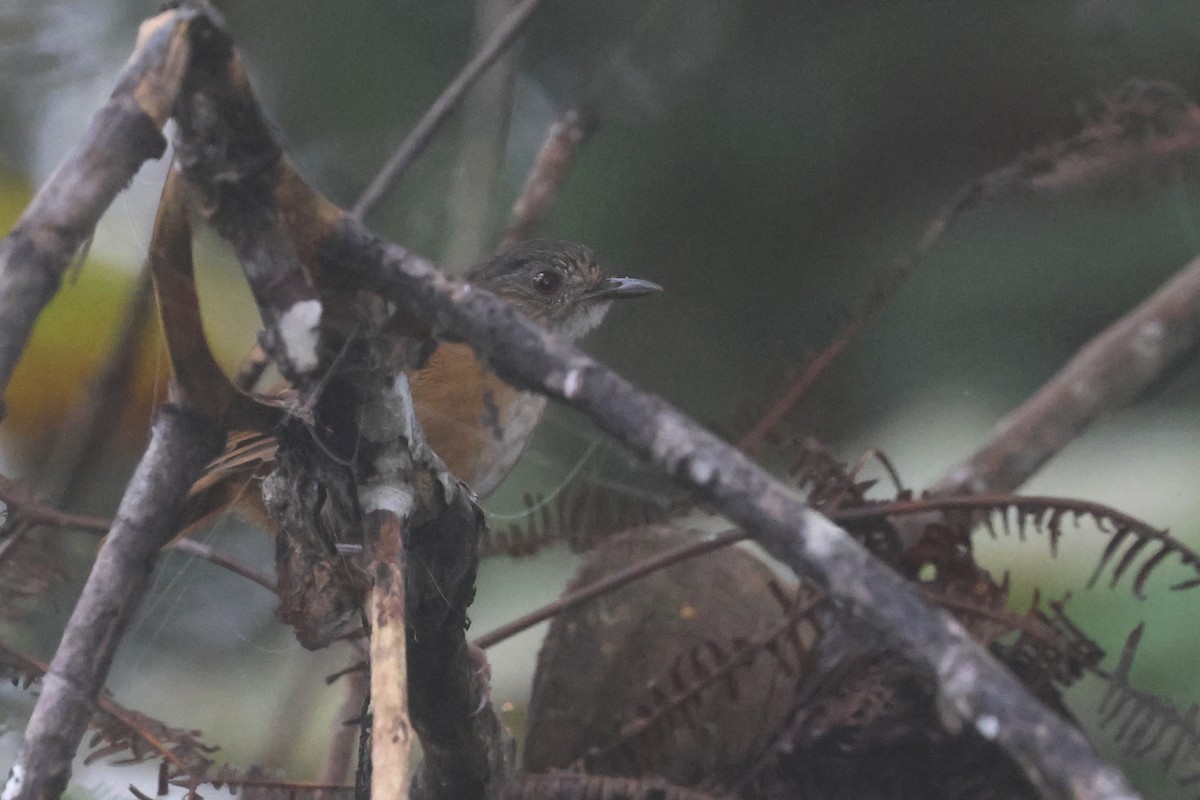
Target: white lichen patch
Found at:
x=988, y=726
x=16, y=780
x=671, y=442
x=821, y=537
x=299, y=329
x=395, y=498
x=572, y=383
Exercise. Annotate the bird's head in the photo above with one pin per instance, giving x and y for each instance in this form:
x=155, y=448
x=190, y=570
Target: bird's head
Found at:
x=556, y=284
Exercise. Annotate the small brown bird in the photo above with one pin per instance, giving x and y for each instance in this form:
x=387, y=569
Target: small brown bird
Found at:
x=477, y=423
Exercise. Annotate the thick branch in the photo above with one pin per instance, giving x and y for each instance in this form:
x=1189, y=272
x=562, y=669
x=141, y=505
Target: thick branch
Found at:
x=180, y=445
x=1056, y=756
x=61, y=218
x=1109, y=372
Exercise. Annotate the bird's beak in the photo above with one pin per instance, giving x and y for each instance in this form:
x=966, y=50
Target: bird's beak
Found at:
x=618, y=288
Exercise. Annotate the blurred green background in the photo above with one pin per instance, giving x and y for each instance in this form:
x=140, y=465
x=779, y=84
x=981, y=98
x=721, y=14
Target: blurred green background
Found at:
x=766, y=162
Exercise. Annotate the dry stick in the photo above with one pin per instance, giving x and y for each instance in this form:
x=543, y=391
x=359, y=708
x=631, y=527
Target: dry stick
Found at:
x=63, y=214
x=429, y=124
x=1108, y=373
x=181, y=444
x=1054, y=755
x=549, y=170
x=194, y=548
x=609, y=583
x=391, y=732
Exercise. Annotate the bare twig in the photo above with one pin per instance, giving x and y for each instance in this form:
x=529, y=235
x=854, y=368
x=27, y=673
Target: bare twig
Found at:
x=482, y=139
x=428, y=125
x=18, y=499
x=549, y=169
x=203, y=551
x=123, y=134
x=609, y=583
x=1108, y=373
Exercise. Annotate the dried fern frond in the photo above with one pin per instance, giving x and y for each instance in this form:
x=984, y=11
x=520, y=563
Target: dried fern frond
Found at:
x=124, y=734
x=581, y=515
x=1147, y=726
x=1051, y=652
x=1134, y=539
x=1147, y=128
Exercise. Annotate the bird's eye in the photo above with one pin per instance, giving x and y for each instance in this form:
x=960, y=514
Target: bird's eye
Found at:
x=547, y=281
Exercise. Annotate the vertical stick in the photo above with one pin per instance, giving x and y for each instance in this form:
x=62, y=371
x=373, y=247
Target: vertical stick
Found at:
x=391, y=730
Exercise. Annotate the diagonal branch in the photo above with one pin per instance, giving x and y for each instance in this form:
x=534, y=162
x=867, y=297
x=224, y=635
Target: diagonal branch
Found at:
x=1056, y=756
x=181, y=444
x=1108, y=373
x=61, y=218
x=422, y=134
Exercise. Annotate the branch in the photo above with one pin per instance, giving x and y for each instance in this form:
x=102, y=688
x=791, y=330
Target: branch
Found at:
x=1108, y=373
x=550, y=168
x=1056, y=756
x=428, y=125
x=63, y=214
x=181, y=444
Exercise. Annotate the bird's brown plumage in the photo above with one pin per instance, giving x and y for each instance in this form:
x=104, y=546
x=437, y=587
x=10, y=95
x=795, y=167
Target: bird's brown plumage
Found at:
x=473, y=420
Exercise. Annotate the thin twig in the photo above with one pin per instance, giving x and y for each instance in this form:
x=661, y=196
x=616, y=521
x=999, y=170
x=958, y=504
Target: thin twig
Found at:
x=18, y=500
x=428, y=125
x=207, y=553
x=609, y=583
x=549, y=170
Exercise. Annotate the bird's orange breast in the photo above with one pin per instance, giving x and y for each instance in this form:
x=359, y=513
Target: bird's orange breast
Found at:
x=473, y=420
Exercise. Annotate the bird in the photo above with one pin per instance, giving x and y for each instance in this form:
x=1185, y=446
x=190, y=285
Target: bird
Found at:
x=475, y=422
